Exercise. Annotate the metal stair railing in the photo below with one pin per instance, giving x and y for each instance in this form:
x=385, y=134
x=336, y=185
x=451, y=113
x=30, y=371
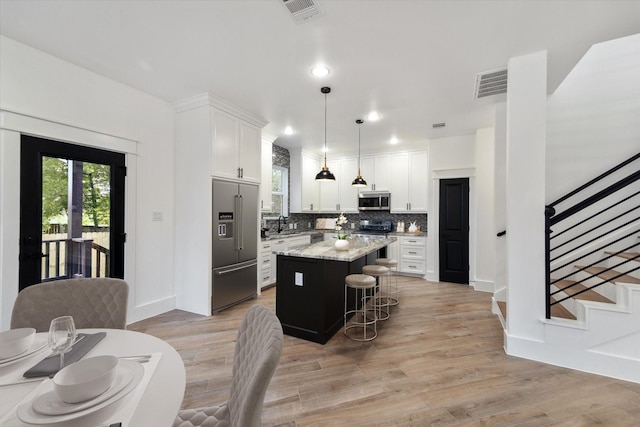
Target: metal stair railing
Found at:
x=603, y=201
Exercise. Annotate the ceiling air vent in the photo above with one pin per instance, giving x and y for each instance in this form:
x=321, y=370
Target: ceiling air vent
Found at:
x=491, y=83
x=303, y=10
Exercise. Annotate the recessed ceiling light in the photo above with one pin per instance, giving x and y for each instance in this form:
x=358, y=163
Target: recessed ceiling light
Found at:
x=288, y=130
x=320, y=71
x=373, y=116
x=394, y=140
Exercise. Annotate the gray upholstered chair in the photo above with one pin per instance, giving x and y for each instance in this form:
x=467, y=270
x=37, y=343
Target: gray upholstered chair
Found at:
x=93, y=303
x=256, y=357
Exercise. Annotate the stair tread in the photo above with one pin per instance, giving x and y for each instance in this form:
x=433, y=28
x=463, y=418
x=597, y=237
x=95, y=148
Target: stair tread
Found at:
x=570, y=288
x=627, y=255
x=558, y=310
x=502, y=305
x=609, y=275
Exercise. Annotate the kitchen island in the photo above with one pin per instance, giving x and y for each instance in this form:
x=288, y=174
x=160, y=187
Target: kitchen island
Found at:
x=310, y=284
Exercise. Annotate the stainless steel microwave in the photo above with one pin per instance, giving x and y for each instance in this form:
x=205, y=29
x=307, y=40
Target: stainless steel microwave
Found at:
x=374, y=201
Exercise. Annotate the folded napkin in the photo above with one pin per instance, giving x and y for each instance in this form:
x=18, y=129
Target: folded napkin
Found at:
x=50, y=365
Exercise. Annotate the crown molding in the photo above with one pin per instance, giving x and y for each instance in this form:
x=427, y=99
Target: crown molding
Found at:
x=211, y=100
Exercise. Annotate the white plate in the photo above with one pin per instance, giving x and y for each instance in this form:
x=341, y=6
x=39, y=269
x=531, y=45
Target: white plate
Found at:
x=39, y=342
x=130, y=373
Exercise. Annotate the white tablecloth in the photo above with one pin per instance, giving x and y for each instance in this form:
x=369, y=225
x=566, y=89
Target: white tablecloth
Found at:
x=154, y=402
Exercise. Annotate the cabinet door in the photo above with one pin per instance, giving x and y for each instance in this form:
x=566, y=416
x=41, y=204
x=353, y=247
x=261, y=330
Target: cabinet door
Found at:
x=224, y=145
x=382, y=172
x=399, y=179
x=418, y=182
x=249, y=148
x=348, y=201
x=367, y=167
x=310, y=188
x=330, y=191
x=276, y=245
x=265, y=182
x=375, y=170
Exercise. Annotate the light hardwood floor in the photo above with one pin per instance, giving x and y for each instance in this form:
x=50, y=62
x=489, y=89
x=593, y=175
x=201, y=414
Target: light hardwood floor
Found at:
x=438, y=361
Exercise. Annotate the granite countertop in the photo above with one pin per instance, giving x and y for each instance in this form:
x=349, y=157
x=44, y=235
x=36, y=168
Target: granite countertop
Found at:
x=289, y=233
x=358, y=247
x=407, y=233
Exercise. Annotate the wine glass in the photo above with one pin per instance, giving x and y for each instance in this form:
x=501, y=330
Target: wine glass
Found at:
x=62, y=333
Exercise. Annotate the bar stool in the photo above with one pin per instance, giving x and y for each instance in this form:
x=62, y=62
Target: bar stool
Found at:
x=364, y=287
x=380, y=303
x=392, y=291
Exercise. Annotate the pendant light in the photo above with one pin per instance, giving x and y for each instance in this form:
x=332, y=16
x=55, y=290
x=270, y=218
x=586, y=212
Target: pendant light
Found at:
x=359, y=181
x=325, y=174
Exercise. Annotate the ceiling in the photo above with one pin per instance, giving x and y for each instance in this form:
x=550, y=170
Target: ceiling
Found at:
x=414, y=62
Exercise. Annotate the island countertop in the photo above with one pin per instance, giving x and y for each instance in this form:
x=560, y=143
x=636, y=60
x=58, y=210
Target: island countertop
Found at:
x=358, y=247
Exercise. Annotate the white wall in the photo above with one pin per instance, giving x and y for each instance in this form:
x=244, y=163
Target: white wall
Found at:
x=78, y=102
x=485, y=228
x=594, y=116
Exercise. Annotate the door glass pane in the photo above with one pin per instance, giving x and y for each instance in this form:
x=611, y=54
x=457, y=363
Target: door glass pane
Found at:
x=75, y=219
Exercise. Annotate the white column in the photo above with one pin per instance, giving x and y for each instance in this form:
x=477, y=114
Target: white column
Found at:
x=525, y=198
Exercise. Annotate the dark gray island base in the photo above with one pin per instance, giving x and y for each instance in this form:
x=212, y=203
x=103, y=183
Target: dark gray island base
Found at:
x=310, y=285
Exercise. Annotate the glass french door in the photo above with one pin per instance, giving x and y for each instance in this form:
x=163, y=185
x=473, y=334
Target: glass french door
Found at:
x=71, y=212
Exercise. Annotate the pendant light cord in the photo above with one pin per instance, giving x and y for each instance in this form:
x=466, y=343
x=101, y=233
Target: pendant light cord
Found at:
x=325, y=130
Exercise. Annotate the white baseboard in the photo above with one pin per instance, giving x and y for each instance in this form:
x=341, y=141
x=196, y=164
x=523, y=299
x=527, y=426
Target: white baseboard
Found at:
x=151, y=309
x=578, y=359
x=483, y=285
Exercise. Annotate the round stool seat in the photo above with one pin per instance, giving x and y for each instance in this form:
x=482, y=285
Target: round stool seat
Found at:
x=387, y=262
x=360, y=281
x=375, y=270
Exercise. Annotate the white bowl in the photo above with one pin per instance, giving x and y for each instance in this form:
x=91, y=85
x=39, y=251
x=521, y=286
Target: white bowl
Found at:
x=15, y=341
x=85, y=379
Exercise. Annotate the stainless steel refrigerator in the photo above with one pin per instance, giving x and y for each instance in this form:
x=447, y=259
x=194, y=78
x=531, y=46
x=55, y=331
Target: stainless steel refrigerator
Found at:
x=235, y=243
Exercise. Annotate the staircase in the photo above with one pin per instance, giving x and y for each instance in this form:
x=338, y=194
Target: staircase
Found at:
x=593, y=275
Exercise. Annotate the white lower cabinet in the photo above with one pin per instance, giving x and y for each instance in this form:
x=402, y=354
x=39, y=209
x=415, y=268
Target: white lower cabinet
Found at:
x=413, y=255
x=269, y=260
x=265, y=264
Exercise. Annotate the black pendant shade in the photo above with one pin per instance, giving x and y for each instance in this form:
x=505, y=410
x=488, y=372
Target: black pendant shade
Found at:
x=325, y=174
x=359, y=181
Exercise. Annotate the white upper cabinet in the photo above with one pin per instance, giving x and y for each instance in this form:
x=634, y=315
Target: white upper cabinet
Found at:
x=265, y=182
x=340, y=196
x=305, y=190
x=348, y=170
x=375, y=170
x=408, y=182
x=236, y=147
x=330, y=191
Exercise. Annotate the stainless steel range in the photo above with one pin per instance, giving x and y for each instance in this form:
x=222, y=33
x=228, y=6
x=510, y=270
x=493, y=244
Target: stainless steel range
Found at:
x=375, y=227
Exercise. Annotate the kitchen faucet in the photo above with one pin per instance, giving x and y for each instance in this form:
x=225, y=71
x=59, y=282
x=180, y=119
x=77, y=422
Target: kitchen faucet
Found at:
x=284, y=221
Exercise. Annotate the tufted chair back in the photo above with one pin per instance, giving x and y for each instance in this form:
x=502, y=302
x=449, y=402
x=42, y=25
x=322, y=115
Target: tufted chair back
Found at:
x=93, y=303
x=256, y=357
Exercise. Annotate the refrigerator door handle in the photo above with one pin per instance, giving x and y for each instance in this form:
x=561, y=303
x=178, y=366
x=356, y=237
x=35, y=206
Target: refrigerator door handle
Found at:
x=241, y=223
x=231, y=270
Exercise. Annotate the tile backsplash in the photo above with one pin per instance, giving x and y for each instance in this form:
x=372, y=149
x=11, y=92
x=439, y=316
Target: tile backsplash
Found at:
x=307, y=222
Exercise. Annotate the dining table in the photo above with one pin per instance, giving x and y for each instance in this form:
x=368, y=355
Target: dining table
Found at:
x=153, y=398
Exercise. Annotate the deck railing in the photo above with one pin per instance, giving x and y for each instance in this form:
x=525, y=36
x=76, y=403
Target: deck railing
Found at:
x=58, y=260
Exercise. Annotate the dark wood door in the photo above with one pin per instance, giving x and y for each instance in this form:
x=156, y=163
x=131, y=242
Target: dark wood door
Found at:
x=454, y=230
x=63, y=188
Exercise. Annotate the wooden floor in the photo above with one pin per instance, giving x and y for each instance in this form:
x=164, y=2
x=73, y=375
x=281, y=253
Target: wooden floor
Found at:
x=438, y=361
